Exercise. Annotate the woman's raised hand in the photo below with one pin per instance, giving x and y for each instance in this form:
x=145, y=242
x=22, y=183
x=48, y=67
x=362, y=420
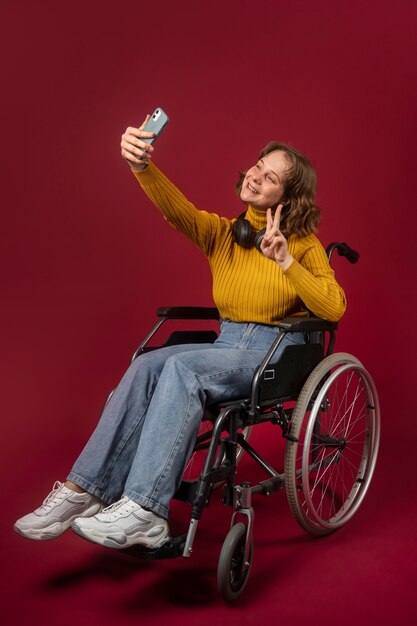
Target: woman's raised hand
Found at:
x=274, y=245
x=134, y=150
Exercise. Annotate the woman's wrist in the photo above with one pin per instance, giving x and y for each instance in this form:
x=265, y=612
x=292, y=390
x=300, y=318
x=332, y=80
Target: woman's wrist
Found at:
x=138, y=168
x=285, y=263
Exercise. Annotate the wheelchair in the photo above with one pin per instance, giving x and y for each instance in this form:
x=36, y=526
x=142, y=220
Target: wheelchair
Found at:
x=325, y=405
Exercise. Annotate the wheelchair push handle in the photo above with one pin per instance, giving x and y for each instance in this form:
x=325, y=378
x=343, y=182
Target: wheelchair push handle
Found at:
x=343, y=250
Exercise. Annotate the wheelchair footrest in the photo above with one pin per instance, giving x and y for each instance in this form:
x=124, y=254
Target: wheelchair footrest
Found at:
x=170, y=549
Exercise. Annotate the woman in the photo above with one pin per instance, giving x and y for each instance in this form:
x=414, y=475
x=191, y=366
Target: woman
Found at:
x=135, y=458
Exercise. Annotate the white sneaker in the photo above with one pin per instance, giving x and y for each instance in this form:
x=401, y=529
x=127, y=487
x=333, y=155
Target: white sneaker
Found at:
x=123, y=524
x=56, y=513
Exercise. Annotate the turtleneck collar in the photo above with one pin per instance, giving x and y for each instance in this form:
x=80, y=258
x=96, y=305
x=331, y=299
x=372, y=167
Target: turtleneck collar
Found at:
x=256, y=217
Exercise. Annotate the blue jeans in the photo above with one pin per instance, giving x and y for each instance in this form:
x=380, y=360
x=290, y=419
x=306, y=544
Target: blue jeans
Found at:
x=147, y=430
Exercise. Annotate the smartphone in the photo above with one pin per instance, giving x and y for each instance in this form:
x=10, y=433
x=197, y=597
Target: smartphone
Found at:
x=156, y=124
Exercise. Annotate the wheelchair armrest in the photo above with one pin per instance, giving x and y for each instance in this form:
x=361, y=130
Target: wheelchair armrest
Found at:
x=305, y=325
x=188, y=313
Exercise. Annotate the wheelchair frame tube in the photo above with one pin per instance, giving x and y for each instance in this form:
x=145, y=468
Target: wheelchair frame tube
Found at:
x=192, y=529
x=148, y=338
x=210, y=474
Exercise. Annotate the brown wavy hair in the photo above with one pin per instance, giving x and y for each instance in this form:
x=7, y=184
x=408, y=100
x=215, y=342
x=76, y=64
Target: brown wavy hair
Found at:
x=301, y=215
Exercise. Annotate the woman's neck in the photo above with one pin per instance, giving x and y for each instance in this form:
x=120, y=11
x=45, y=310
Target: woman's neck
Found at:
x=256, y=217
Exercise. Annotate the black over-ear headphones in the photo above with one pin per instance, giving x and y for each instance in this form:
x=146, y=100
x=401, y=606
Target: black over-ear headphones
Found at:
x=244, y=235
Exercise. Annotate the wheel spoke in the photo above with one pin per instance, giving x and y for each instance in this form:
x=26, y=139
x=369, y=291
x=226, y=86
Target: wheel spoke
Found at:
x=336, y=423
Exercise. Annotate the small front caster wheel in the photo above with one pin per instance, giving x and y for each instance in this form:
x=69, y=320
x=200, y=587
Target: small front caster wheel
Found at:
x=233, y=570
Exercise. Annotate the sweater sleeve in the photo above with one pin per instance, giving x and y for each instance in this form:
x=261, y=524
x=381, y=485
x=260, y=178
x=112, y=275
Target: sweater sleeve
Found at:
x=199, y=226
x=313, y=279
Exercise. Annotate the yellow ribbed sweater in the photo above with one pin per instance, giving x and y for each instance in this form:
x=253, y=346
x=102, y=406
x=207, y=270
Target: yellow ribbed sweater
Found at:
x=247, y=286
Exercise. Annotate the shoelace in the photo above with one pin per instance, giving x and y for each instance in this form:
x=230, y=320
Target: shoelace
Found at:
x=52, y=498
x=116, y=510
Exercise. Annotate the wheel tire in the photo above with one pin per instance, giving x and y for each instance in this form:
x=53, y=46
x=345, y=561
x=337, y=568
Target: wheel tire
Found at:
x=336, y=423
x=232, y=572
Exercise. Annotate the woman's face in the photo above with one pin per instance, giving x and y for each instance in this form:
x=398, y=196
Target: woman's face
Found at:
x=263, y=185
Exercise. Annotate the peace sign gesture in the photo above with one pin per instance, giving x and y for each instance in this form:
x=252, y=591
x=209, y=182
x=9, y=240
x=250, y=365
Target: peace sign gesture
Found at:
x=274, y=245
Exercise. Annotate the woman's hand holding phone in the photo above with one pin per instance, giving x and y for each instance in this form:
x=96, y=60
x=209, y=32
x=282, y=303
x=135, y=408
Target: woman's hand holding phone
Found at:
x=134, y=149
x=136, y=142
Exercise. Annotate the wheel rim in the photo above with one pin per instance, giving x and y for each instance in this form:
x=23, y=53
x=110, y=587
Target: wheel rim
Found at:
x=333, y=467
x=233, y=570
x=238, y=571
x=335, y=483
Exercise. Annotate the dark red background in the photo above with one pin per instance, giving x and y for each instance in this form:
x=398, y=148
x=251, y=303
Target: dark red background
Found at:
x=86, y=260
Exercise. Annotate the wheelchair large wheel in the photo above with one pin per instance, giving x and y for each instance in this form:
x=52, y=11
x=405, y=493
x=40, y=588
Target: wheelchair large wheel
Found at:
x=336, y=425
x=233, y=570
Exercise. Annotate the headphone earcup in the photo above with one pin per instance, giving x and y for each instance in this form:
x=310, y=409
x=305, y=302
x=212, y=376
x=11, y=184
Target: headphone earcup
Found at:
x=258, y=239
x=242, y=232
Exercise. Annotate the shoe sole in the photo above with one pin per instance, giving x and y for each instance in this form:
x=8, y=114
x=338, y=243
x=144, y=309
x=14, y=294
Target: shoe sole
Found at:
x=120, y=543
x=54, y=530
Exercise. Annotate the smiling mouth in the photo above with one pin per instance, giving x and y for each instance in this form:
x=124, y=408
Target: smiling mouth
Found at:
x=252, y=188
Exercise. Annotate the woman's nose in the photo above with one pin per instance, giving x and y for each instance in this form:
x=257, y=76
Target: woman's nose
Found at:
x=256, y=175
